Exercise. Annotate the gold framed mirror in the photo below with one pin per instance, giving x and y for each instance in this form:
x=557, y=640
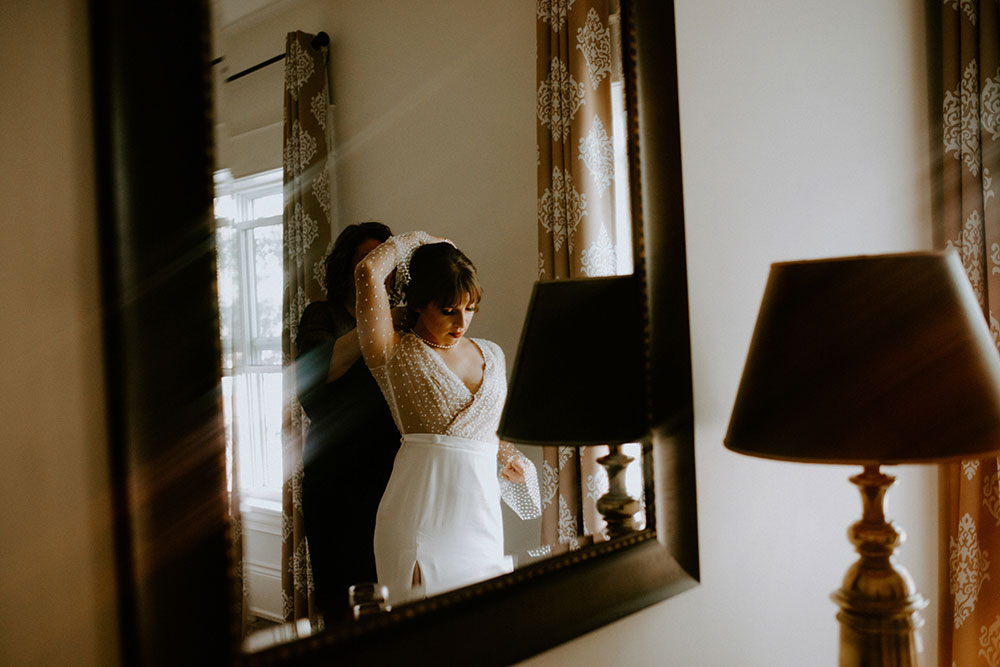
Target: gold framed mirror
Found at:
x=158, y=274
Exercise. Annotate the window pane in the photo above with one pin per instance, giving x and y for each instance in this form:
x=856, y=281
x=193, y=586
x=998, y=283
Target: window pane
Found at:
x=270, y=356
x=227, y=412
x=242, y=430
x=227, y=272
x=270, y=388
x=258, y=431
x=267, y=206
x=250, y=294
x=225, y=207
x=268, y=276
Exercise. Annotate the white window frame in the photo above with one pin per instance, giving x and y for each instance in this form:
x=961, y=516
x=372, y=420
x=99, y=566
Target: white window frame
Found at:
x=260, y=455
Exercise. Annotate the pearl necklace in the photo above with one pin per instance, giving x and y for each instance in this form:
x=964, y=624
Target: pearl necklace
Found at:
x=438, y=346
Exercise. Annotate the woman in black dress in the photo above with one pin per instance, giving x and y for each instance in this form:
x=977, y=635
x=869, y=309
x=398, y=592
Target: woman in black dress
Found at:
x=352, y=439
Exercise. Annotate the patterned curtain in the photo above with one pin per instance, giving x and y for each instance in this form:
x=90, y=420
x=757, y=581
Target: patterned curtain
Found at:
x=307, y=238
x=578, y=56
x=236, y=530
x=968, y=219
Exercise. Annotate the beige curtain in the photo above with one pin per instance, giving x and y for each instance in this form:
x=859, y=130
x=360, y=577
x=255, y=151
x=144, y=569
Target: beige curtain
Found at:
x=236, y=521
x=968, y=219
x=236, y=530
x=578, y=58
x=306, y=241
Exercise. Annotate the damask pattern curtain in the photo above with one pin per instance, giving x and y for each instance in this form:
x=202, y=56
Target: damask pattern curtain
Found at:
x=236, y=532
x=578, y=57
x=968, y=219
x=307, y=238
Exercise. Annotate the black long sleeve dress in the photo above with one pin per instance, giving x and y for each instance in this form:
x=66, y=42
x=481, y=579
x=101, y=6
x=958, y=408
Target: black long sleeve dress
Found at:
x=347, y=459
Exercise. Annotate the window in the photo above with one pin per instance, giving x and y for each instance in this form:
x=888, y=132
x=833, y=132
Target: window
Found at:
x=249, y=237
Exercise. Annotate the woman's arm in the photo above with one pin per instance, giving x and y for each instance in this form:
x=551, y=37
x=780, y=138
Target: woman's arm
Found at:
x=519, y=482
x=376, y=335
x=346, y=350
x=318, y=332
x=512, y=461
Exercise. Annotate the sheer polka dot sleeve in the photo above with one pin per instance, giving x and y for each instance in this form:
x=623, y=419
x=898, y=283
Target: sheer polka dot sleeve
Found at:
x=522, y=497
x=374, y=314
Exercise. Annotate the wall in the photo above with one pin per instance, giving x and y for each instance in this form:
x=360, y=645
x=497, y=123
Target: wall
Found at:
x=804, y=125
x=804, y=134
x=57, y=588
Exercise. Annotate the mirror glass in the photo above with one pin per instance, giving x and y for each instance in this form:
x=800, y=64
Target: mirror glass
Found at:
x=434, y=126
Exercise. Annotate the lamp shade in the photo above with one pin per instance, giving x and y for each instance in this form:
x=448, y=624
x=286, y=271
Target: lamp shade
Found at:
x=870, y=359
x=579, y=374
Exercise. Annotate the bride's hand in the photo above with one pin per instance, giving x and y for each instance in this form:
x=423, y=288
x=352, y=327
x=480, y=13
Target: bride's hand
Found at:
x=513, y=471
x=438, y=239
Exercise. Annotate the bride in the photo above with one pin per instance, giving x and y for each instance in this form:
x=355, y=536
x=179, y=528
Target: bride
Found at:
x=438, y=525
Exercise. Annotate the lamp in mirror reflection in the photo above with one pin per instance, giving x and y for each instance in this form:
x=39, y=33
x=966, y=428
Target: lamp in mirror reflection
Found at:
x=579, y=379
x=870, y=360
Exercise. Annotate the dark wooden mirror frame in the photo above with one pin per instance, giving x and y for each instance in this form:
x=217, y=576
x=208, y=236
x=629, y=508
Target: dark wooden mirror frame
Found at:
x=152, y=103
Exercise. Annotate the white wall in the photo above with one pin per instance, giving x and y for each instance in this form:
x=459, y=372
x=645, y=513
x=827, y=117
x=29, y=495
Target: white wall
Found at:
x=57, y=590
x=804, y=134
x=803, y=128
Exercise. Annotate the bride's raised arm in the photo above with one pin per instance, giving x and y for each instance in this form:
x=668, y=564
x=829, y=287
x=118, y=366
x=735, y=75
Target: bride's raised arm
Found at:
x=376, y=333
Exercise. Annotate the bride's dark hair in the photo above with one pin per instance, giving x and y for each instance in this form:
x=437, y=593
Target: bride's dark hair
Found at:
x=441, y=274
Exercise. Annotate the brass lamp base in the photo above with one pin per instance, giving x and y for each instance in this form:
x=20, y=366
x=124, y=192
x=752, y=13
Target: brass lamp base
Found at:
x=879, y=603
x=616, y=506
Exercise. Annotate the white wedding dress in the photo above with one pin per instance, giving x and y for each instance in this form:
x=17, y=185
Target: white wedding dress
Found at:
x=439, y=524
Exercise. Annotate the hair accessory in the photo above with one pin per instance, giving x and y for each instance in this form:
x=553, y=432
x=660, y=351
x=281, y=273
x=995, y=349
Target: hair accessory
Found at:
x=405, y=245
x=397, y=292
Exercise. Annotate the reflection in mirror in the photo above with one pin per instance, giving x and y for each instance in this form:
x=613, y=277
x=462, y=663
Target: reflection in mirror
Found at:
x=441, y=120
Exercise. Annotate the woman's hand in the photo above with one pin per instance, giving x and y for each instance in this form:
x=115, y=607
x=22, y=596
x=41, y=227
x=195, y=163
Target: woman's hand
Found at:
x=514, y=471
x=438, y=239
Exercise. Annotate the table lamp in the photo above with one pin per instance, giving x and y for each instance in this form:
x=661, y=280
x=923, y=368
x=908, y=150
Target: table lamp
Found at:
x=870, y=360
x=579, y=378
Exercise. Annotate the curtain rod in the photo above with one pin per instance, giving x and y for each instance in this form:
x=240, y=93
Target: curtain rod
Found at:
x=318, y=42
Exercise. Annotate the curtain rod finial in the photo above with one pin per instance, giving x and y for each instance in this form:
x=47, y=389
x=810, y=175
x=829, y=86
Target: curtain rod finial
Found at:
x=321, y=40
